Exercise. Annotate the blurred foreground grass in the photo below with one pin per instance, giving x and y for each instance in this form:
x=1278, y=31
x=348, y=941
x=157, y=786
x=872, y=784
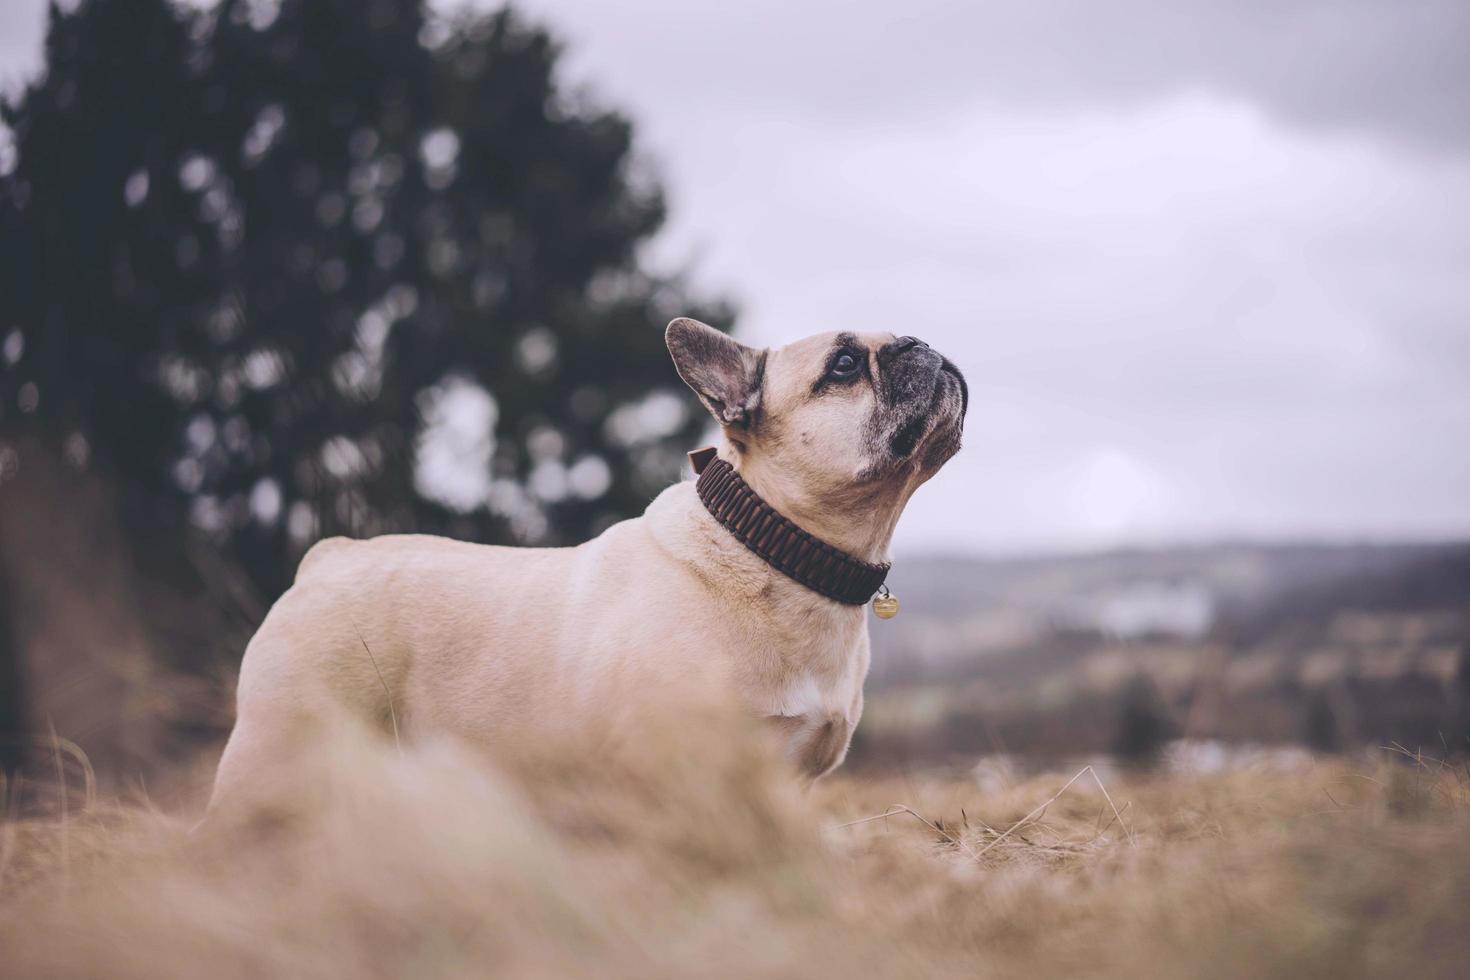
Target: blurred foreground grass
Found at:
x=672, y=861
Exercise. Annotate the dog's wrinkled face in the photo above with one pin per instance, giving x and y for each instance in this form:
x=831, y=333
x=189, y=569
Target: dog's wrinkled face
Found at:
x=840, y=412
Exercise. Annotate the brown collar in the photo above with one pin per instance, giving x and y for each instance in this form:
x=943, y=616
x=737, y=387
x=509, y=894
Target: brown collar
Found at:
x=784, y=546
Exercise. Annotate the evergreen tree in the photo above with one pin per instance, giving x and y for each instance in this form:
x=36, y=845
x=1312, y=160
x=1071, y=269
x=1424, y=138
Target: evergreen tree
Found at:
x=1144, y=726
x=330, y=266
x=254, y=254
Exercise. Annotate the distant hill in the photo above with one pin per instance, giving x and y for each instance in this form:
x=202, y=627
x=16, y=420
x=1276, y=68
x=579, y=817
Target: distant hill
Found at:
x=965, y=608
x=1329, y=647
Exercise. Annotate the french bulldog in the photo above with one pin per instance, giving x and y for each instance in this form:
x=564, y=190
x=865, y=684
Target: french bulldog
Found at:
x=506, y=646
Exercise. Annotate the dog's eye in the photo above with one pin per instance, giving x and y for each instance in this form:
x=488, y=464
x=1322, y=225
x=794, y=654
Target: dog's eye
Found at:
x=845, y=366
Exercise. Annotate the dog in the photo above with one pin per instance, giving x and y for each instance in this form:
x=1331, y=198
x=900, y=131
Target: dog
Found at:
x=822, y=443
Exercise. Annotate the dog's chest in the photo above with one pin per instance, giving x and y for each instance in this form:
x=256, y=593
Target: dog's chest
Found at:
x=807, y=694
x=823, y=681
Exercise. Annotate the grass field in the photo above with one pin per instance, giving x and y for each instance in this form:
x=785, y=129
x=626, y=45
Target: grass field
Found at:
x=670, y=862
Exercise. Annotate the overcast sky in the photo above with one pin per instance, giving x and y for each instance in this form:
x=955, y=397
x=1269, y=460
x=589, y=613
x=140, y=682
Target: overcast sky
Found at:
x=1205, y=265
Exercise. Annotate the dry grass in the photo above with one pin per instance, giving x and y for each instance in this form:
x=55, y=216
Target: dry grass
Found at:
x=706, y=860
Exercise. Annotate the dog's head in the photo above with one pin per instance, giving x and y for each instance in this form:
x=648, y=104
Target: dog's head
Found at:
x=836, y=423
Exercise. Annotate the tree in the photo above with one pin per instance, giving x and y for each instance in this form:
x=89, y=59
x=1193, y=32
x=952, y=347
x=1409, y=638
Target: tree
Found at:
x=1144, y=725
x=1460, y=700
x=334, y=266
x=250, y=252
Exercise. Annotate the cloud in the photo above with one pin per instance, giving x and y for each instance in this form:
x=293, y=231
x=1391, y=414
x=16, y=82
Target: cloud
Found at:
x=1267, y=323
x=1203, y=263
x=1396, y=69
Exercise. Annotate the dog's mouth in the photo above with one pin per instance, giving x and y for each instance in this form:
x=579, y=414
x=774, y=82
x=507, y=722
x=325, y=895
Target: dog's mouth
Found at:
x=942, y=411
x=906, y=439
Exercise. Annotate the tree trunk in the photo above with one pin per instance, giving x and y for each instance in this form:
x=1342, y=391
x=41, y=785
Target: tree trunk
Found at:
x=13, y=723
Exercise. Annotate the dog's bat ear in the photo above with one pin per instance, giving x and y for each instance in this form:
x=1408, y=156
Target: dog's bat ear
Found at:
x=724, y=373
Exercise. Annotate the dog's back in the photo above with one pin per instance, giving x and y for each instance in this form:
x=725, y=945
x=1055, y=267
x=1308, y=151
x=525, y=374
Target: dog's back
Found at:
x=492, y=645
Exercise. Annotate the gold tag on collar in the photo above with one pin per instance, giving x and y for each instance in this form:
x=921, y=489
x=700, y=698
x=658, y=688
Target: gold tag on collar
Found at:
x=885, y=603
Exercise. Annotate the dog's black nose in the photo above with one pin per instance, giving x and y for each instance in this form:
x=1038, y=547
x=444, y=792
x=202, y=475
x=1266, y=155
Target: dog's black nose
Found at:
x=903, y=344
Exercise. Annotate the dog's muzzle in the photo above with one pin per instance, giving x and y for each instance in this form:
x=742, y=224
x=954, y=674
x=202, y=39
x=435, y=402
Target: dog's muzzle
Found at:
x=917, y=383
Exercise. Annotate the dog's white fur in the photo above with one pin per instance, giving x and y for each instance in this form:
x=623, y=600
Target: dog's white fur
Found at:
x=508, y=646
